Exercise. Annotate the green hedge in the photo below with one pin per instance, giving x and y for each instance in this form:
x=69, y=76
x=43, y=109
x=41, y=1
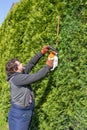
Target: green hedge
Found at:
x=61, y=98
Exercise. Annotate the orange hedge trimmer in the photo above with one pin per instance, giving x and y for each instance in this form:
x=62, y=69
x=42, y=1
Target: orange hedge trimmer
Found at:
x=53, y=56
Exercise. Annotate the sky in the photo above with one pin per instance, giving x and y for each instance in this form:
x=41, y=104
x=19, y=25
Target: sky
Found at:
x=5, y=6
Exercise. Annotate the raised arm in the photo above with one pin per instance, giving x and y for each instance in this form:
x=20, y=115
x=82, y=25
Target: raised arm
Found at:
x=35, y=59
x=32, y=62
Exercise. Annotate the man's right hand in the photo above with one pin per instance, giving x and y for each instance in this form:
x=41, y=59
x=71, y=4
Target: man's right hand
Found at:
x=49, y=62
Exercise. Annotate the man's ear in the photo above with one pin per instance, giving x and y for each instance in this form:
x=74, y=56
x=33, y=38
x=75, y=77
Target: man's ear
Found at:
x=15, y=67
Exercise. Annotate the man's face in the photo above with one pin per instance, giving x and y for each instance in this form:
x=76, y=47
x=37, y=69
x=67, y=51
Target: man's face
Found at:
x=20, y=66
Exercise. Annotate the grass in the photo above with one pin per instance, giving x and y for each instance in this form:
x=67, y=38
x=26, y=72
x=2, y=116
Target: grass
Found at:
x=4, y=127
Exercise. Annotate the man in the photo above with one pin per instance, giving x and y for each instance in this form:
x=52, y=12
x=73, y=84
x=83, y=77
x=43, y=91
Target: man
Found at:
x=22, y=97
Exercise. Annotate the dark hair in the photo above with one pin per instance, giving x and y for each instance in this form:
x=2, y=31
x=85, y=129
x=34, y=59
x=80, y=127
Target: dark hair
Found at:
x=11, y=66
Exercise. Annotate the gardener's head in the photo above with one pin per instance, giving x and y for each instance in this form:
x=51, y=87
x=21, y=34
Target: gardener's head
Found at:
x=14, y=65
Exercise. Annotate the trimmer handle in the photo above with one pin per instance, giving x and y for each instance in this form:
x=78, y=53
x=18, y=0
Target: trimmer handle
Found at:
x=52, y=48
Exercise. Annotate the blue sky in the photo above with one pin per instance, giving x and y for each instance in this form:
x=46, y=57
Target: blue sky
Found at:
x=5, y=6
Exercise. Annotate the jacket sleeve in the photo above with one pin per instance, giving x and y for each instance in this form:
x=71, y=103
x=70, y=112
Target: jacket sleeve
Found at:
x=32, y=62
x=26, y=79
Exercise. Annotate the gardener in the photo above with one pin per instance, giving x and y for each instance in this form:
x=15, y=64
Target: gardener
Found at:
x=22, y=97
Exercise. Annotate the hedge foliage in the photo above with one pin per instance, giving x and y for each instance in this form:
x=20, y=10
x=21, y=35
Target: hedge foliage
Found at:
x=61, y=98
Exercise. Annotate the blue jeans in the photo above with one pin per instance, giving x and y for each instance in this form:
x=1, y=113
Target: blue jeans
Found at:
x=19, y=119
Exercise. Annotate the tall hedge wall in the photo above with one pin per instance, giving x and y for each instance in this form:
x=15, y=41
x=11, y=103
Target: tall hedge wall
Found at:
x=61, y=98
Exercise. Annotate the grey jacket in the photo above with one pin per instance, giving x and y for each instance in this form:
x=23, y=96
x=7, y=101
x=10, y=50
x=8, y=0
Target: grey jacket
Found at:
x=20, y=83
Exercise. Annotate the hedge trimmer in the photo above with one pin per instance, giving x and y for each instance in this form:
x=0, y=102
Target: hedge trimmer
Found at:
x=53, y=56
